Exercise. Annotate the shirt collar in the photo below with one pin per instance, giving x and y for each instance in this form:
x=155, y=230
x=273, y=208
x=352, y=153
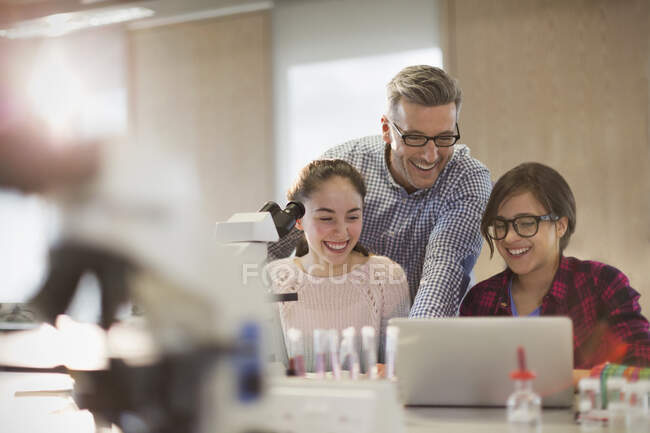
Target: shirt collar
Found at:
x=559, y=289
x=387, y=173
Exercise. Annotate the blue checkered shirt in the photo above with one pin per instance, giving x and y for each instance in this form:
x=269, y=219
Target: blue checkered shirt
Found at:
x=432, y=233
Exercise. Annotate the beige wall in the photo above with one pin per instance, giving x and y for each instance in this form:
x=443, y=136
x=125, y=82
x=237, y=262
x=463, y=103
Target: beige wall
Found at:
x=564, y=83
x=204, y=88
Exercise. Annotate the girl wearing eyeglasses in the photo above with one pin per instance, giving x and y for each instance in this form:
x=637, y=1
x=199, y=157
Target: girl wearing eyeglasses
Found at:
x=529, y=218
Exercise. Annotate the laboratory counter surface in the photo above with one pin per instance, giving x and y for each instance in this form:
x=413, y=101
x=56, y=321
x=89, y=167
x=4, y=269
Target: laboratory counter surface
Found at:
x=481, y=420
x=416, y=419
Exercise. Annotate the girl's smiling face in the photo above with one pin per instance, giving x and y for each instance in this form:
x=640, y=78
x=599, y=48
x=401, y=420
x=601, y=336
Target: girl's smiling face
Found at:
x=332, y=221
x=526, y=255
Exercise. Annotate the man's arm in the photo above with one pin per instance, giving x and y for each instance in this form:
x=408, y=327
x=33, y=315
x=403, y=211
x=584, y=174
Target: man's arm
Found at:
x=453, y=248
x=285, y=246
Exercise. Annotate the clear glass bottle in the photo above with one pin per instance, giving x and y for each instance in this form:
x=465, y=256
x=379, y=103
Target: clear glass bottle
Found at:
x=524, y=406
x=590, y=404
x=616, y=404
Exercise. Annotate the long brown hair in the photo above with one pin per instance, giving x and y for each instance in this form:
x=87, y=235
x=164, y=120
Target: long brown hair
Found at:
x=312, y=176
x=545, y=184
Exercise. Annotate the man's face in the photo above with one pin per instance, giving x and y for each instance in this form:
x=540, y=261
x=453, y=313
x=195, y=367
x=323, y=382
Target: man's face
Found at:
x=418, y=167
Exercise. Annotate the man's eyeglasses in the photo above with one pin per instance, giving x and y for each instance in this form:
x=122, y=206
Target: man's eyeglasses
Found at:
x=525, y=226
x=418, y=140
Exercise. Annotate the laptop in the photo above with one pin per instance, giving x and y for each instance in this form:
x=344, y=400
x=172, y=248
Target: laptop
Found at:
x=466, y=361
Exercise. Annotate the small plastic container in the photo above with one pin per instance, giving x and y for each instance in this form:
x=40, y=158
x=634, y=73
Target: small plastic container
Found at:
x=590, y=405
x=524, y=406
x=637, y=417
x=616, y=404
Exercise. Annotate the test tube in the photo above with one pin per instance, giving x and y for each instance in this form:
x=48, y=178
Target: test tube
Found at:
x=333, y=339
x=392, y=334
x=320, y=348
x=369, y=348
x=296, y=351
x=349, y=352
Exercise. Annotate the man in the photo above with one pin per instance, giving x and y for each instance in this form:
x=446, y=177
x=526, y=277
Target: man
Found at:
x=426, y=195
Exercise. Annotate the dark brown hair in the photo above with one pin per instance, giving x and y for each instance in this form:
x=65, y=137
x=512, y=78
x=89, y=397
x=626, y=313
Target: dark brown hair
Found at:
x=312, y=176
x=545, y=184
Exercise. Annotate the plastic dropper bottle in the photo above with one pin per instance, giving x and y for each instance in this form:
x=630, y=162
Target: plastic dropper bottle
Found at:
x=524, y=406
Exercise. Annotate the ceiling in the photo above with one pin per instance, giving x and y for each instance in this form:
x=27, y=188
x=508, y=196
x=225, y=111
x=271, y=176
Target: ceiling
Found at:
x=12, y=11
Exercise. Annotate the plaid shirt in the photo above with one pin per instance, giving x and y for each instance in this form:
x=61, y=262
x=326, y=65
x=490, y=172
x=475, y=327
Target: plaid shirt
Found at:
x=432, y=233
x=607, y=320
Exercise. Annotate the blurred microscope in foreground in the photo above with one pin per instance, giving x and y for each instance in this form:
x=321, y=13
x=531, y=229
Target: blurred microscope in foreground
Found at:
x=132, y=219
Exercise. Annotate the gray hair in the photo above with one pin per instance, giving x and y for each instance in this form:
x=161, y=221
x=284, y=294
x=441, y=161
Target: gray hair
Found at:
x=424, y=85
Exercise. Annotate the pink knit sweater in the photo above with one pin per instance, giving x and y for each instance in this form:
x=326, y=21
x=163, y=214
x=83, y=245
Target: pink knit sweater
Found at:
x=368, y=295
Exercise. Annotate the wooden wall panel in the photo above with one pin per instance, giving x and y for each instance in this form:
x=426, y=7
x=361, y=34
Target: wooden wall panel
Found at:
x=565, y=83
x=204, y=88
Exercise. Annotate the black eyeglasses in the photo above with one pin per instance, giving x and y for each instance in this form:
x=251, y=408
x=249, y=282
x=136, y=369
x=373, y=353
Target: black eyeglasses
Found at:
x=525, y=226
x=417, y=140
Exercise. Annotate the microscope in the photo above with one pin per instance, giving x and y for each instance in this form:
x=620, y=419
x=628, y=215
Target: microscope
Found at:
x=145, y=240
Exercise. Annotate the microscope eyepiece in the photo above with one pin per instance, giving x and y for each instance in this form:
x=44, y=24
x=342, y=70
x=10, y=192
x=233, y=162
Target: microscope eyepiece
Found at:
x=284, y=220
x=295, y=209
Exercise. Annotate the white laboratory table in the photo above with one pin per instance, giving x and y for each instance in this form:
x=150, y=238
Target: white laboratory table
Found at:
x=416, y=419
x=480, y=420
